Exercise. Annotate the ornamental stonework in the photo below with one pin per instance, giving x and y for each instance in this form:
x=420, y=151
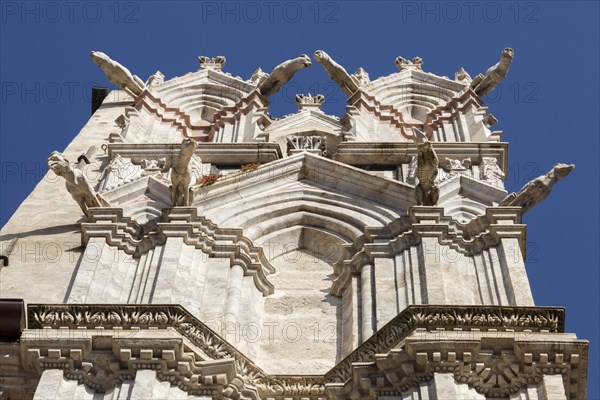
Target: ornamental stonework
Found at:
x=213, y=251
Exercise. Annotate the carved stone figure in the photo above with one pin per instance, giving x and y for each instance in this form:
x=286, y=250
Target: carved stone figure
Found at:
x=214, y=63
x=181, y=176
x=416, y=63
x=282, y=74
x=118, y=74
x=462, y=76
x=81, y=190
x=491, y=172
x=483, y=85
x=537, y=189
x=312, y=144
x=426, y=192
x=119, y=172
x=153, y=165
x=156, y=79
x=454, y=167
x=348, y=83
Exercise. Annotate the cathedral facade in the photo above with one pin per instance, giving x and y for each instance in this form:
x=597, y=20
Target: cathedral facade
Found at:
x=189, y=245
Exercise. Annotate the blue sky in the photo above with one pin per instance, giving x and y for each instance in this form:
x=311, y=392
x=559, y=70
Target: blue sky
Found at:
x=547, y=106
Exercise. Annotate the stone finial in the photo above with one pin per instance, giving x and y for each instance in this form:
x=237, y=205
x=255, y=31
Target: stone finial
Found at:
x=258, y=77
x=427, y=192
x=309, y=102
x=361, y=76
x=415, y=63
x=213, y=63
x=462, y=76
x=537, y=189
x=117, y=74
x=348, y=83
x=282, y=74
x=156, y=79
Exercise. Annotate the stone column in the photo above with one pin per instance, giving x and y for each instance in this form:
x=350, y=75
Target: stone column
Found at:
x=232, y=304
x=552, y=388
x=386, y=294
x=366, y=290
x=434, y=275
x=49, y=385
x=514, y=273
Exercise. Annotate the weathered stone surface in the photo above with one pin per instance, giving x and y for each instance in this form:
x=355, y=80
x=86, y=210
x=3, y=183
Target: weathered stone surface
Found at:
x=225, y=253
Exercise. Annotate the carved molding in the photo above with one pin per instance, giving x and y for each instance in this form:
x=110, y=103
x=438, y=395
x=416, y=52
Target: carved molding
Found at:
x=312, y=144
x=214, y=153
x=244, y=376
x=236, y=375
x=478, y=235
x=197, y=231
x=384, y=112
x=497, y=363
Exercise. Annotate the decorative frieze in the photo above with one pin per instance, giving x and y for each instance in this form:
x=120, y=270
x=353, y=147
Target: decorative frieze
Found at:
x=311, y=144
x=492, y=173
x=80, y=356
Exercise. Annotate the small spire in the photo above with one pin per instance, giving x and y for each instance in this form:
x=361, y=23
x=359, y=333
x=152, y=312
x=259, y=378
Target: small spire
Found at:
x=362, y=76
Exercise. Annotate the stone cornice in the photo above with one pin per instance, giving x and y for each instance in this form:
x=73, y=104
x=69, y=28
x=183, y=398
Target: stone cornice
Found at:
x=241, y=374
x=446, y=112
x=410, y=75
x=320, y=170
x=253, y=101
x=481, y=318
x=176, y=117
x=236, y=371
x=479, y=234
x=213, y=153
x=197, y=231
x=384, y=112
x=394, y=153
x=495, y=363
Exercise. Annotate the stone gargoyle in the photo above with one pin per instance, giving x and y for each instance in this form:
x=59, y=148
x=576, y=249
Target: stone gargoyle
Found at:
x=282, y=74
x=537, y=189
x=484, y=84
x=426, y=192
x=79, y=188
x=348, y=83
x=181, y=176
x=118, y=74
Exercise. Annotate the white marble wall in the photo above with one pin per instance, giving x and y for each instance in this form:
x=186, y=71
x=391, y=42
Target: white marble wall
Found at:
x=210, y=288
x=53, y=386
